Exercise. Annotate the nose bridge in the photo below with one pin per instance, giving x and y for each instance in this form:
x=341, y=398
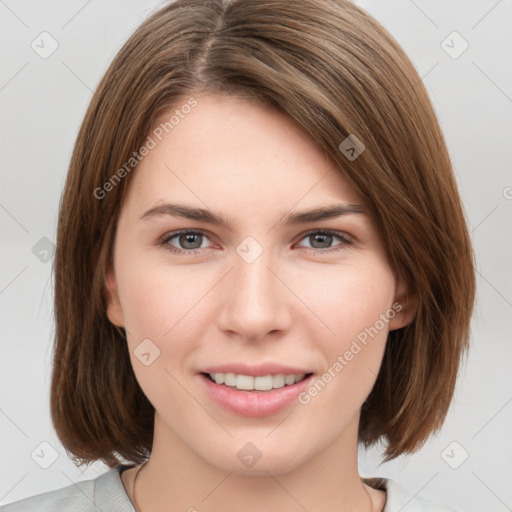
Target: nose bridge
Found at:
x=254, y=280
x=256, y=301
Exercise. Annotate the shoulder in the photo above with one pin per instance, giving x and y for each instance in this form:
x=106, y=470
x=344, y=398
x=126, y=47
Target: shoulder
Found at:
x=398, y=497
x=105, y=492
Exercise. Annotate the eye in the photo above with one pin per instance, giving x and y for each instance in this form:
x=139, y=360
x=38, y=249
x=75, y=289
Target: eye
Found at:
x=324, y=238
x=191, y=241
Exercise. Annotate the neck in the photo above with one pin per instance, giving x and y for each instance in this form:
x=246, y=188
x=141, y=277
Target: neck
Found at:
x=176, y=478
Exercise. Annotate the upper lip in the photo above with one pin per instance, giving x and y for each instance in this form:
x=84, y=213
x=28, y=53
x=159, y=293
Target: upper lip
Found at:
x=258, y=370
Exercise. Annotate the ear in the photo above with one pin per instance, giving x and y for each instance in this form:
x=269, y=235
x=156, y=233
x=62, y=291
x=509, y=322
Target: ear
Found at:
x=114, y=310
x=405, y=305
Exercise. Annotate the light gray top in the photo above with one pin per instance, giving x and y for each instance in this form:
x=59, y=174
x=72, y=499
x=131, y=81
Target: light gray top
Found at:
x=106, y=493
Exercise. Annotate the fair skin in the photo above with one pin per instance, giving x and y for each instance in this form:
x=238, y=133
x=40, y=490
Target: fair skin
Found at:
x=296, y=304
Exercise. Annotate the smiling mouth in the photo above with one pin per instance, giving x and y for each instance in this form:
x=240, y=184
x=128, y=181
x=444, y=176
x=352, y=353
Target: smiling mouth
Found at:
x=251, y=384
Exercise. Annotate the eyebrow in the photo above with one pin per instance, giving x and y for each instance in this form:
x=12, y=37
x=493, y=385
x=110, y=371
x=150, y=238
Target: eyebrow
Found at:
x=294, y=218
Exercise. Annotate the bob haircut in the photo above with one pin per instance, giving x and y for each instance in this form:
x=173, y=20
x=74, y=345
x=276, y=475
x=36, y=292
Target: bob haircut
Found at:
x=337, y=72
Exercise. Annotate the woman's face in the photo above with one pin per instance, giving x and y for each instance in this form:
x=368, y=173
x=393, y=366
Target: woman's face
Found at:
x=257, y=290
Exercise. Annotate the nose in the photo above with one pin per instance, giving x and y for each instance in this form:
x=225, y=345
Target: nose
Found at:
x=256, y=301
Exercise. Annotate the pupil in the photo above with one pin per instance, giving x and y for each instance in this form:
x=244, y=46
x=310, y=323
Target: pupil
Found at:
x=327, y=238
x=189, y=238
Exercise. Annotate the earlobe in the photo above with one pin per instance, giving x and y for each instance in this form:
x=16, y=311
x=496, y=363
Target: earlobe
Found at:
x=405, y=306
x=114, y=310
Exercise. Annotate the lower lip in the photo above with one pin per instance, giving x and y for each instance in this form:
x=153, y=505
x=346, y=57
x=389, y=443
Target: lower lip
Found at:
x=254, y=404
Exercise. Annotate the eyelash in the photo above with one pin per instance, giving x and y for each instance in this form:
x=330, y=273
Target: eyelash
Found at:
x=164, y=241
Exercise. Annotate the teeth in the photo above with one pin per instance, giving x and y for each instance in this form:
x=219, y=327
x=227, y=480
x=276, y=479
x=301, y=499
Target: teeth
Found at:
x=249, y=383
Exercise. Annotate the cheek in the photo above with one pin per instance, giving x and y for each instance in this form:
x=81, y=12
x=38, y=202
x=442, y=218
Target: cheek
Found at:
x=155, y=316
x=170, y=305
x=357, y=307
x=156, y=297
x=349, y=299
x=160, y=321
x=355, y=304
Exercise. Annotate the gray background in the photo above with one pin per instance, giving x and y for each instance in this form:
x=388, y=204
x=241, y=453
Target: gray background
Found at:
x=43, y=101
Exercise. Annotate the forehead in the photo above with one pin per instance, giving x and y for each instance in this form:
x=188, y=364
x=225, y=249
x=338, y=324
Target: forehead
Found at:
x=231, y=153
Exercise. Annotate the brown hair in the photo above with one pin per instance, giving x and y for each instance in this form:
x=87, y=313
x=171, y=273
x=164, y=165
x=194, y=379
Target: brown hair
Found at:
x=337, y=72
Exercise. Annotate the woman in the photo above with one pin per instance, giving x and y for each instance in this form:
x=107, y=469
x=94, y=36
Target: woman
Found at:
x=262, y=261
